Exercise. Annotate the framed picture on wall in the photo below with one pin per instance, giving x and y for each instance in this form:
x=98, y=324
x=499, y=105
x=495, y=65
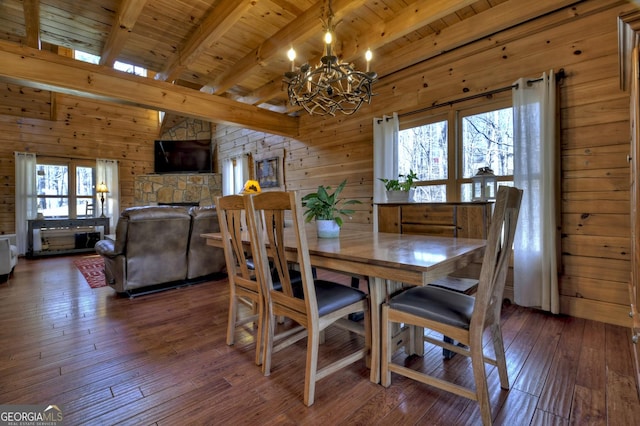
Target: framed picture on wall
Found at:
x=269, y=170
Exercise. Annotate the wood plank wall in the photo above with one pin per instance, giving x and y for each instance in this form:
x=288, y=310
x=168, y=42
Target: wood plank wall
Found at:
x=80, y=128
x=594, y=139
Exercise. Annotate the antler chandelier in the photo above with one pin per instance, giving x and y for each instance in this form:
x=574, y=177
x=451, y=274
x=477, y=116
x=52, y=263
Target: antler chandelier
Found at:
x=332, y=85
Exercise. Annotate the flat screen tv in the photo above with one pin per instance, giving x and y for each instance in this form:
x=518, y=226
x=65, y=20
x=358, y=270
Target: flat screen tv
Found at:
x=182, y=156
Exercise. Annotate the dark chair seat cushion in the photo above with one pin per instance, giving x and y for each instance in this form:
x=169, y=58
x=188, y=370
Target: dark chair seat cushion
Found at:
x=333, y=296
x=436, y=304
x=330, y=296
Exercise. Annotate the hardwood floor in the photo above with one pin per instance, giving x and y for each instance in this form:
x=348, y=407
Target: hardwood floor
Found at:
x=161, y=359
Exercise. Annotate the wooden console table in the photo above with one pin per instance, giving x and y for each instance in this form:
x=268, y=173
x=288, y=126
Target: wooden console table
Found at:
x=62, y=224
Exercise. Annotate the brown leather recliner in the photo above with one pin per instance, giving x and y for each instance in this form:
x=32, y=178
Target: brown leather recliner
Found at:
x=203, y=259
x=152, y=247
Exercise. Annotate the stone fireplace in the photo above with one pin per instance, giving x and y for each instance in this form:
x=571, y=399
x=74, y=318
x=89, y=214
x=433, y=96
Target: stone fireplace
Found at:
x=177, y=189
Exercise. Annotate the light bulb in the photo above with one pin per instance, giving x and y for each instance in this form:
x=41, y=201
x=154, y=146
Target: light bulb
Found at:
x=292, y=55
x=328, y=38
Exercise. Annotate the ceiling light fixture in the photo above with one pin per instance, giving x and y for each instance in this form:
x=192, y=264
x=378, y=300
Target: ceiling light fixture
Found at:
x=332, y=85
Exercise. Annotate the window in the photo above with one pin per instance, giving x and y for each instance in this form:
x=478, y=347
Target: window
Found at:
x=86, y=57
x=120, y=66
x=446, y=150
x=131, y=69
x=424, y=149
x=235, y=172
x=487, y=141
x=55, y=178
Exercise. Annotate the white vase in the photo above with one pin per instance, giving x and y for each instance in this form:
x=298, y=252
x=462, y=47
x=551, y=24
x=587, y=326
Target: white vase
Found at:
x=398, y=196
x=327, y=228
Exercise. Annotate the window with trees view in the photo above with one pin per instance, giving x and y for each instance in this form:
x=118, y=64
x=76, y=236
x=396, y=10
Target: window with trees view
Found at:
x=65, y=188
x=121, y=66
x=446, y=150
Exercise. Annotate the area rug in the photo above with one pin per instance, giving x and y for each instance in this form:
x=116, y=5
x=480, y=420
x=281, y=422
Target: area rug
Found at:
x=92, y=269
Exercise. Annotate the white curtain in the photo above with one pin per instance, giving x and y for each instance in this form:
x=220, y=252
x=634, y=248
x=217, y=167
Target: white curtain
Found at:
x=107, y=172
x=227, y=176
x=235, y=172
x=535, y=264
x=241, y=173
x=385, y=157
x=26, y=200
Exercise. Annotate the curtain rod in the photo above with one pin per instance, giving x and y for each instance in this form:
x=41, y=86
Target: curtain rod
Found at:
x=559, y=76
x=60, y=157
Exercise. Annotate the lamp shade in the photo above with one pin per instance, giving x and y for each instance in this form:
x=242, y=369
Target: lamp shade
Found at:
x=251, y=187
x=102, y=188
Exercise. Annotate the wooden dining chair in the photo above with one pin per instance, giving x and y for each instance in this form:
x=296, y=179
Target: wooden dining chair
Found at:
x=459, y=316
x=318, y=305
x=244, y=289
x=89, y=209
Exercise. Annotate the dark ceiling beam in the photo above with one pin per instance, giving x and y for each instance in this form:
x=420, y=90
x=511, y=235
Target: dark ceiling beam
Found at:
x=123, y=24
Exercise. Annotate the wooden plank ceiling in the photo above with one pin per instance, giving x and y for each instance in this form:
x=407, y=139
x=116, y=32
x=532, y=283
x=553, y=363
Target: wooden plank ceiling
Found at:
x=236, y=49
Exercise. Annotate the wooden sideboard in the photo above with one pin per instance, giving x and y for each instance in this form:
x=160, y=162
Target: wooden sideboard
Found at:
x=462, y=220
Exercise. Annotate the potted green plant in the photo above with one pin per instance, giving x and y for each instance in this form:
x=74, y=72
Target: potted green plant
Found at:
x=398, y=190
x=326, y=208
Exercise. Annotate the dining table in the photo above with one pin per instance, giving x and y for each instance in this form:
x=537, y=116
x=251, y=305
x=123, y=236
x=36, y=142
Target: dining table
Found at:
x=387, y=259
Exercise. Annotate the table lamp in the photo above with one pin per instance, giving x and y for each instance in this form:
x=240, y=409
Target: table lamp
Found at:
x=102, y=189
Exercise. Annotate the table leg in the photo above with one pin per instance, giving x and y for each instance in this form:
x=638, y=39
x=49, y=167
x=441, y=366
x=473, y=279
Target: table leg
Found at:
x=446, y=353
x=376, y=298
